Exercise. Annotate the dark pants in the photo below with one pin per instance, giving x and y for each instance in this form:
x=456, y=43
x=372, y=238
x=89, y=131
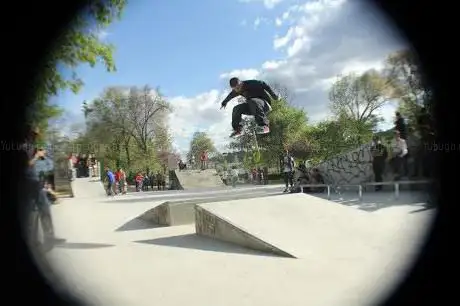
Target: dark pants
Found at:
x=405, y=165
x=397, y=165
x=50, y=180
x=109, y=188
x=378, y=167
x=288, y=179
x=42, y=205
x=252, y=107
x=145, y=185
x=51, y=198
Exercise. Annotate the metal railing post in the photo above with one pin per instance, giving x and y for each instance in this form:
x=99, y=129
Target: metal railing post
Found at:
x=328, y=192
x=396, y=190
x=360, y=192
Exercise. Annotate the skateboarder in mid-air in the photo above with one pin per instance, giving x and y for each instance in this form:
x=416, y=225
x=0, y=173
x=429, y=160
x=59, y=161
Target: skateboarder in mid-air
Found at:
x=258, y=97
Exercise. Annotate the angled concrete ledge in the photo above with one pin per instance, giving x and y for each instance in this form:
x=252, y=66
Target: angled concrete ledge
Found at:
x=293, y=225
x=210, y=225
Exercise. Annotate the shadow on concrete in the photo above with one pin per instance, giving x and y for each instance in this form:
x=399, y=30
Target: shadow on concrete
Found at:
x=193, y=241
x=373, y=201
x=82, y=245
x=146, y=199
x=137, y=224
x=371, y=207
x=216, y=197
x=425, y=208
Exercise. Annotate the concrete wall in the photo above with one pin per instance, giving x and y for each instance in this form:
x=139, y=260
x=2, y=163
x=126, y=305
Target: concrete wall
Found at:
x=353, y=167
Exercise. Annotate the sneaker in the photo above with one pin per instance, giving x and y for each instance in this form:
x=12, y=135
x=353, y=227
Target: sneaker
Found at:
x=263, y=129
x=236, y=134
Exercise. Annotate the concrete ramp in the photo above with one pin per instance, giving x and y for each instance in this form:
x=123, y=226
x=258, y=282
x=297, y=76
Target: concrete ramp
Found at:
x=189, y=179
x=295, y=225
x=87, y=188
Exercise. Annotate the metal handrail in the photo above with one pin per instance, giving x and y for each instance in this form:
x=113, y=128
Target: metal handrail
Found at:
x=396, y=185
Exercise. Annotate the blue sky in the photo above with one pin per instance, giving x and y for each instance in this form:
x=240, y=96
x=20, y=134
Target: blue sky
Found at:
x=185, y=47
x=182, y=48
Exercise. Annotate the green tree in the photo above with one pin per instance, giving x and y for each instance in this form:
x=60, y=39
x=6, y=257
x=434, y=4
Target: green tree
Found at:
x=200, y=142
x=80, y=44
x=329, y=138
x=147, y=112
x=355, y=101
x=287, y=123
x=247, y=140
x=359, y=97
x=128, y=127
x=404, y=72
x=302, y=146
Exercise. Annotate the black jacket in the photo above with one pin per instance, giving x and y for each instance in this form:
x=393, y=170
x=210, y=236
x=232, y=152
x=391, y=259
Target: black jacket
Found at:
x=400, y=125
x=379, y=152
x=253, y=89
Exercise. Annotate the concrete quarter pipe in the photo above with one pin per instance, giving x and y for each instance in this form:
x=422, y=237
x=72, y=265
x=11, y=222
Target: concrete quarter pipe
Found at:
x=189, y=179
x=85, y=188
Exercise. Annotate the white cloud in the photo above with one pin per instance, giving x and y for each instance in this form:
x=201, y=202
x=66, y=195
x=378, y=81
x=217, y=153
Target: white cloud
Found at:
x=271, y=65
x=241, y=73
x=359, y=67
x=199, y=113
x=269, y=4
x=259, y=21
x=324, y=38
x=309, y=17
x=387, y=112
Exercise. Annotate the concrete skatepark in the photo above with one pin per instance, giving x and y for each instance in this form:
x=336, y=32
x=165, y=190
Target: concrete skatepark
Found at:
x=243, y=246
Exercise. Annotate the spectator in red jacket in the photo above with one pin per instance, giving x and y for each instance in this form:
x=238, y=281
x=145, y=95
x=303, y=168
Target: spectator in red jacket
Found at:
x=204, y=159
x=139, y=180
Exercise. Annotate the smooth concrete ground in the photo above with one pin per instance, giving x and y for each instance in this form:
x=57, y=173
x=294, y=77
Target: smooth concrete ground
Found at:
x=197, y=193
x=112, y=259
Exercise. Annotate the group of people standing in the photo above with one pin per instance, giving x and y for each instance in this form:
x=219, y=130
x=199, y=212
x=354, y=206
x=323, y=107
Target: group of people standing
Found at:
x=116, y=182
x=398, y=152
x=203, y=162
x=145, y=180
x=83, y=165
x=294, y=176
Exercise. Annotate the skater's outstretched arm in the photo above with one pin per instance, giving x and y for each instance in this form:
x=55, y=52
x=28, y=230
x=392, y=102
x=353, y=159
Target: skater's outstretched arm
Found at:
x=268, y=89
x=233, y=94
